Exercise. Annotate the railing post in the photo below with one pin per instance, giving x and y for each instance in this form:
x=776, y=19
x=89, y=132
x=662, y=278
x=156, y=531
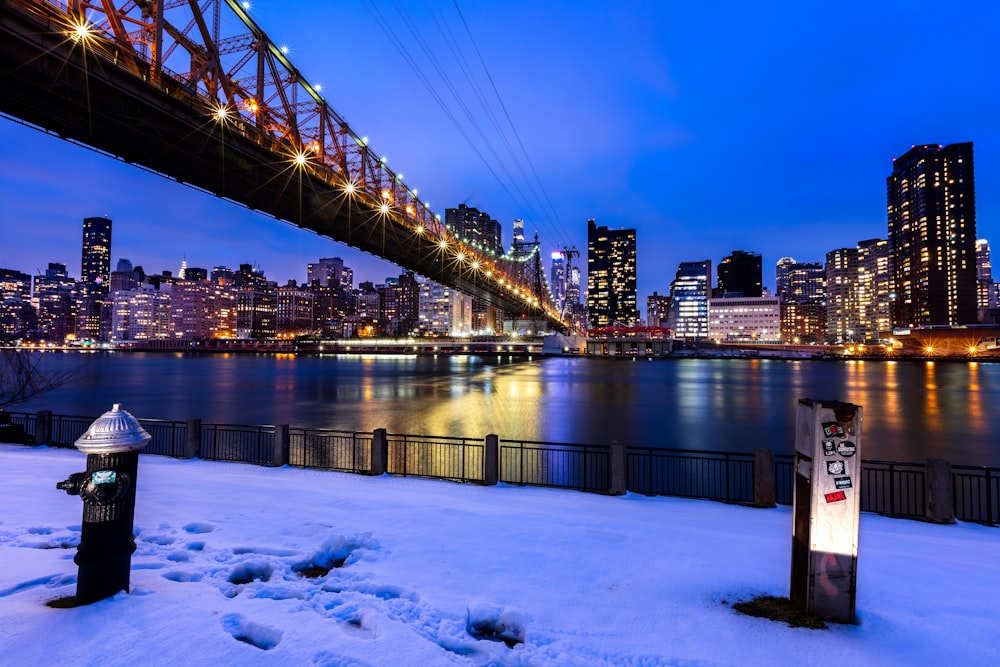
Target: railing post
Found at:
x=380, y=452
x=940, y=488
x=192, y=439
x=279, y=453
x=763, y=478
x=617, y=482
x=43, y=427
x=491, y=460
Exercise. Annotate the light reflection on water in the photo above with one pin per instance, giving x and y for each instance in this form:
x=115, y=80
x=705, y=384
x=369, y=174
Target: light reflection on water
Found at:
x=912, y=410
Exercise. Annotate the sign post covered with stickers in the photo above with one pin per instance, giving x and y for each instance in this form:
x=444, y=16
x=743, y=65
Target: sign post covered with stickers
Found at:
x=826, y=508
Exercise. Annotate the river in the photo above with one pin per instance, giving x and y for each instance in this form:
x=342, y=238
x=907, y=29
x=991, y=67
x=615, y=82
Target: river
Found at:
x=912, y=410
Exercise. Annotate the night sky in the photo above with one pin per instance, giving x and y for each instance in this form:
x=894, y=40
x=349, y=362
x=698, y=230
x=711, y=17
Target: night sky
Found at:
x=707, y=126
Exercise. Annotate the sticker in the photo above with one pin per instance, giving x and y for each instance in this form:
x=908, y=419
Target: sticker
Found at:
x=835, y=497
x=837, y=467
x=842, y=482
x=103, y=477
x=828, y=448
x=846, y=448
x=833, y=429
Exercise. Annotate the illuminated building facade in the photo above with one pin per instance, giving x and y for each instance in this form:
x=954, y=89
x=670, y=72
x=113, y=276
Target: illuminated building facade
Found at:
x=141, y=314
x=330, y=271
x=932, y=234
x=17, y=317
x=986, y=289
x=444, y=311
x=611, y=277
x=874, y=290
x=740, y=273
x=95, y=271
x=800, y=282
x=294, y=311
x=739, y=319
x=842, y=314
x=54, y=299
x=658, y=310
x=201, y=310
x=474, y=227
x=689, y=294
x=557, y=279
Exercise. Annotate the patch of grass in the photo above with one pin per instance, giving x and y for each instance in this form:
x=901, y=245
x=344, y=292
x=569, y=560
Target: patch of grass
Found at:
x=780, y=609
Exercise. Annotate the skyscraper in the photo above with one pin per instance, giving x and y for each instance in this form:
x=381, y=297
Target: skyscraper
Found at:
x=986, y=292
x=932, y=236
x=95, y=266
x=557, y=279
x=689, y=294
x=842, y=314
x=611, y=273
x=739, y=273
x=474, y=227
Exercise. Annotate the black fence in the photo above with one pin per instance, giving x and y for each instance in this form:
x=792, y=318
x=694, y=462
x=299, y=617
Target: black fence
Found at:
x=725, y=476
x=327, y=449
x=890, y=488
x=437, y=457
x=555, y=464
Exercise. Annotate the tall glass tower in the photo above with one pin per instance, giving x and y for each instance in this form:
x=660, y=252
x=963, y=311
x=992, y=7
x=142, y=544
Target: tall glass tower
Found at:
x=95, y=266
x=932, y=236
x=611, y=273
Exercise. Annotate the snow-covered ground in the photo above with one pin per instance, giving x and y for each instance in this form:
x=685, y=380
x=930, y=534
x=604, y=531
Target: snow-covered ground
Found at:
x=222, y=550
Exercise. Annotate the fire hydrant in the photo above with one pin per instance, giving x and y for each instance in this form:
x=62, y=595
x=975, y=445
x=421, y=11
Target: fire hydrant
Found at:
x=107, y=488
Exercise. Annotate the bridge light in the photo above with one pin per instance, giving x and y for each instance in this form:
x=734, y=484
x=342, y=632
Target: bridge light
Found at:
x=384, y=208
x=284, y=49
x=461, y=256
x=349, y=188
x=443, y=244
x=409, y=210
x=222, y=113
x=419, y=229
x=363, y=141
x=81, y=30
x=250, y=104
x=475, y=264
x=300, y=159
x=489, y=273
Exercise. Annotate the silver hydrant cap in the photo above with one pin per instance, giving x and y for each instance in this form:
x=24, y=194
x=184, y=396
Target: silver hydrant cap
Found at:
x=114, y=432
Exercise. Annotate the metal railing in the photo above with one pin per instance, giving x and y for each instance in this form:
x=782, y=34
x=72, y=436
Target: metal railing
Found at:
x=887, y=487
x=438, y=457
x=327, y=449
x=168, y=437
x=977, y=493
x=555, y=464
x=67, y=429
x=238, y=442
x=725, y=476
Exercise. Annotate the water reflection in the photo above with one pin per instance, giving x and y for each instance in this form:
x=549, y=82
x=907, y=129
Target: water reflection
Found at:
x=912, y=410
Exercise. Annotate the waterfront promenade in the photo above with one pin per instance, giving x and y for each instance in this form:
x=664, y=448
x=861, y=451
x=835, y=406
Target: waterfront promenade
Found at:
x=592, y=580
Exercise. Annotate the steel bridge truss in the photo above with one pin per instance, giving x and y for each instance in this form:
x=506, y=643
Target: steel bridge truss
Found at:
x=196, y=91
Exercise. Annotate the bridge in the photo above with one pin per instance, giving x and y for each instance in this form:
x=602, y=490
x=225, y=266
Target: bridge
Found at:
x=195, y=91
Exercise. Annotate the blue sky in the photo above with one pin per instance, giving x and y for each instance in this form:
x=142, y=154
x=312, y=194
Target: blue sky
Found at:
x=709, y=126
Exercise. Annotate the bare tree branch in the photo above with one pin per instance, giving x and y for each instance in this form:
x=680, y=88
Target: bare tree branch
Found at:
x=22, y=377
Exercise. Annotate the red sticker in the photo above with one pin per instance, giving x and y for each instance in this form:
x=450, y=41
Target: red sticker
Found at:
x=835, y=496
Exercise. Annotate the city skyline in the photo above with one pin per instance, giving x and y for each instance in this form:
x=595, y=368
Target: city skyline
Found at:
x=763, y=129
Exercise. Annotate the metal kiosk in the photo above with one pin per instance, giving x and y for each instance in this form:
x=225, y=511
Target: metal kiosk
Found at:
x=826, y=508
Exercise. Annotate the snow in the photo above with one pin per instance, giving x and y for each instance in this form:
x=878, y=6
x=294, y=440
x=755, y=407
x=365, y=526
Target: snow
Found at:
x=237, y=564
